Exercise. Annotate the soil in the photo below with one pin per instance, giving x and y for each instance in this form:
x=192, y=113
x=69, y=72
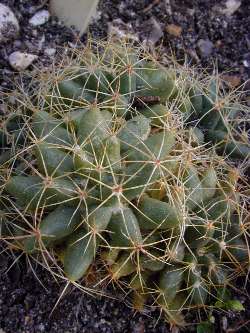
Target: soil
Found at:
x=197, y=31
x=195, y=20
x=27, y=305
x=201, y=33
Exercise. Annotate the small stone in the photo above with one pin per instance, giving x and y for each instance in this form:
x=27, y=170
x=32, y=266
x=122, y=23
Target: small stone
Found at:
x=248, y=40
x=41, y=327
x=191, y=11
x=246, y=60
x=218, y=43
x=119, y=29
x=41, y=42
x=17, y=44
x=231, y=7
x=232, y=80
x=155, y=31
x=224, y=323
x=50, y=52
x=174, y=30
x=205, y=46
x=20, y=61
x=193, y=54
x=246, y=63
x=139, y=328
x=34, y=33
x=9, y=26
x=40, y=17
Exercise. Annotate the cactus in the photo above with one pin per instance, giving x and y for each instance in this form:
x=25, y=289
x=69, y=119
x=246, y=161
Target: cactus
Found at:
x=107, y=179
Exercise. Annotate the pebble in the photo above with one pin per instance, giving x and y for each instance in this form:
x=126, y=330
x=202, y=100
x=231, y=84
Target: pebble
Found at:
x=41, y=42
x=50, y=52
x=155, y=31
x=119, y=29
x=224, y=323
x=17, y=44
x=41, y=327
x=39, y=18
x=246, y=63
x=9, y=26
x=205, y=47
x=174, y=30
x=139, y=328
x=20, y=61
x=232, y=80
x=231, y=7
x=246, y=60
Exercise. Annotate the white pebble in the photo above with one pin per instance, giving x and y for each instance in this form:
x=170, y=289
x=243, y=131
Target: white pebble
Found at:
x=50, y=52
x=20, y=61
x=39, y=18
x=231, y=7
x=9, y=26
x=246, y=63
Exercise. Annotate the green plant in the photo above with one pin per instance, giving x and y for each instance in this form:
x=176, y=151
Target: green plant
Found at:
x=220, y=115
x=111, y=179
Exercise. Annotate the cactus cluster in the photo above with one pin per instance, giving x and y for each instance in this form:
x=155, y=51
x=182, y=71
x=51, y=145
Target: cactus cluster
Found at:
x=112, y=175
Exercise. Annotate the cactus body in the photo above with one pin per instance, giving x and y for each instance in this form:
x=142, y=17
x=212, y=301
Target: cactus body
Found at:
x=135, y=131
x=55, y=226
x=51, y=160
x=114, y=168
x=170, y=282
x=153, y=81
x=125, y=229
x=49, y=129
x=158, y=214
x=79, y=255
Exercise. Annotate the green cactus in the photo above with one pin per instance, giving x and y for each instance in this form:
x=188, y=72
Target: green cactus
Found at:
x=134, y=190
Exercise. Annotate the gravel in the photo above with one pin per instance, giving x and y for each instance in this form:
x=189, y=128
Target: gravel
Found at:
x=9, y=26
x=203, y=32
x=26, y=306
x=228, y=35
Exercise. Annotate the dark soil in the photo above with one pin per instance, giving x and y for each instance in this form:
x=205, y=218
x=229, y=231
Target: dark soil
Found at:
x=203, y=36
x=206, y=37
x=199, y=20
x=25, y=307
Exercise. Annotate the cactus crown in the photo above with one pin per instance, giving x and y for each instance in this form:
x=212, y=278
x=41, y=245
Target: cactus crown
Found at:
x=111, y=174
